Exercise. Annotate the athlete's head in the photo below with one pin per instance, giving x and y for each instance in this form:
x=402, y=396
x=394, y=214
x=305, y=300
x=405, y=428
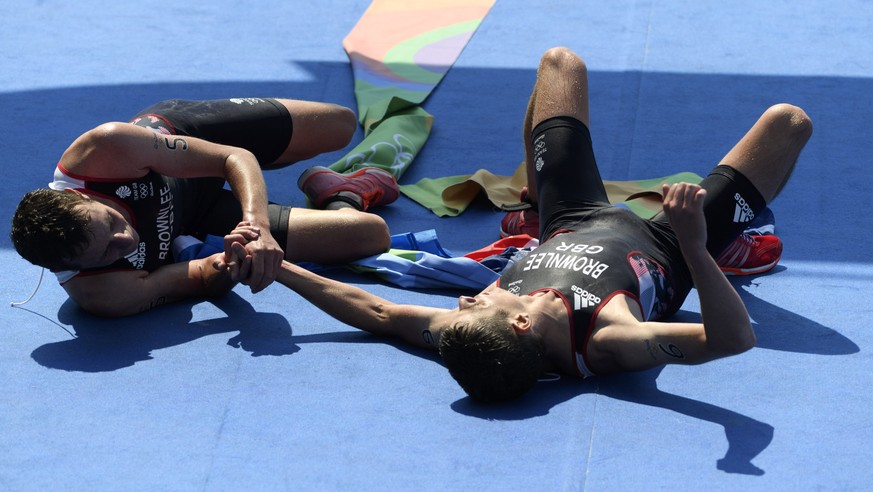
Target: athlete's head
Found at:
x=490, y=359
x=62, y=230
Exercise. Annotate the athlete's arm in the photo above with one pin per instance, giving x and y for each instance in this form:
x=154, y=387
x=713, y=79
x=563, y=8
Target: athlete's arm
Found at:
x=116, y=294
x=640, y=346
x=121, y=150
x=726, y=322
x=630, y=345
x=417, y=325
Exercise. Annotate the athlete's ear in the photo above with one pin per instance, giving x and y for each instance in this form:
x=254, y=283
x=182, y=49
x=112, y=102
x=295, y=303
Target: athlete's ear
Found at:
x=521, y=323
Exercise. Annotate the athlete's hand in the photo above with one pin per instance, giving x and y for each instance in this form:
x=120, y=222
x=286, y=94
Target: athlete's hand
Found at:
x=683, y=204
x=236, y=260
x=266, y=259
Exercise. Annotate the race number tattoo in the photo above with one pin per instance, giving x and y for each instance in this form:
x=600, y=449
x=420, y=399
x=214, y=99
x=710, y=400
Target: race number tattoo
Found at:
x=670, y=349
x=178, y=143
x=174, y=145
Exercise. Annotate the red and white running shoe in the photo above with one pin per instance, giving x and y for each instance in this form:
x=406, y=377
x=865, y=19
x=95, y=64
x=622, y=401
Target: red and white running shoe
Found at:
x=750, y=255
x=363, y=189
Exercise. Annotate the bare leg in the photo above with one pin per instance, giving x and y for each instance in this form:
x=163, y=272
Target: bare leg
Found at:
x=334, y=236
x=318, y=128
x=561, y=89
x=768, y=151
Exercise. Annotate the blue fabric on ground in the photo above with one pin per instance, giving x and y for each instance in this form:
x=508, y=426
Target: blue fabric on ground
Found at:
x=421, y=241
x=423, y=270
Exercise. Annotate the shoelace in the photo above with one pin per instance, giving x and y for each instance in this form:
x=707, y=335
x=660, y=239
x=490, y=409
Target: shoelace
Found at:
x=748, y=239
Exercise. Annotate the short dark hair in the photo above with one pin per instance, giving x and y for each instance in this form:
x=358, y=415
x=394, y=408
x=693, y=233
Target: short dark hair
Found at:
x=48, y=229
x=489, y=360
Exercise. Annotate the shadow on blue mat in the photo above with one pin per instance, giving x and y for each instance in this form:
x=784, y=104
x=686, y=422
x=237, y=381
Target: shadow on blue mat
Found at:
x=746, y=437
x=779, y=329
x=102, y=345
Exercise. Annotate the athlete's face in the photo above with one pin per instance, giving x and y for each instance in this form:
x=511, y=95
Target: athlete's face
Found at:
x=491, y=301
x=112, y=237
x=487, y=304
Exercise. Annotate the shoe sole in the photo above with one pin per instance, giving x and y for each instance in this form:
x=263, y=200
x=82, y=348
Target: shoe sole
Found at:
x=749, y=271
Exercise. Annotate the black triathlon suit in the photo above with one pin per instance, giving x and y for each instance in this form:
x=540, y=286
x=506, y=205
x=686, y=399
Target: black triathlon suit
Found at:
x=592, y=250
x=163, y=208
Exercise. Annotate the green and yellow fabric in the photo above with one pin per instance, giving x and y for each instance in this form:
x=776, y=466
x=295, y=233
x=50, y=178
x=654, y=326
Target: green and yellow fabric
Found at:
x=399, y=51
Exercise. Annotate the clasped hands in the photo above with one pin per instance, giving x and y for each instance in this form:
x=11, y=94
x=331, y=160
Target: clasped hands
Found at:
x=241, y=263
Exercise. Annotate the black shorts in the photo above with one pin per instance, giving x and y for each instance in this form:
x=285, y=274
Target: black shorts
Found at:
x=569, y=186
x=206, y=207
x=261, y=125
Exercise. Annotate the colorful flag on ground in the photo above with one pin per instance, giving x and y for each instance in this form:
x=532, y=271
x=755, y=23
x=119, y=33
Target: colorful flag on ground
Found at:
x=399, y=51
